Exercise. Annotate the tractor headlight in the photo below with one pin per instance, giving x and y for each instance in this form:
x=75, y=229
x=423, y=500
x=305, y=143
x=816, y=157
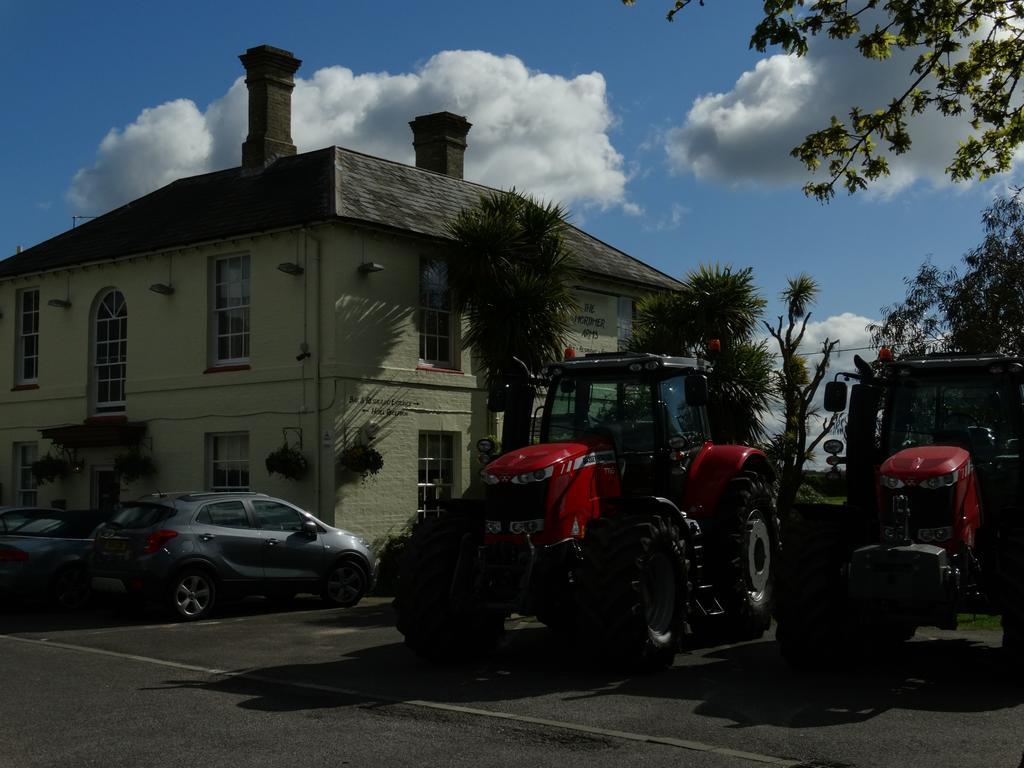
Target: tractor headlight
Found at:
x=526, y=526
x=937, y=535
x=489, y=477
x=942, y=481
x=891, y=482
x=534, y=477
x=492, y=526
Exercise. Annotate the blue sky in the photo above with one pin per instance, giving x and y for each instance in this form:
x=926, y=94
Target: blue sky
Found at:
x=666, y=140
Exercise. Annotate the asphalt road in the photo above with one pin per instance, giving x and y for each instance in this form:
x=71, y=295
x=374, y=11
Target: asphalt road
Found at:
x=311, y=687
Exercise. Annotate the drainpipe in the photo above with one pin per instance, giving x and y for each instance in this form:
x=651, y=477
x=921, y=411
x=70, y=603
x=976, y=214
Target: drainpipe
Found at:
x=317, y=357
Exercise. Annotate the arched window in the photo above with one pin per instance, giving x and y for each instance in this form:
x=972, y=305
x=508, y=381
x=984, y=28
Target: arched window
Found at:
x=110, y=354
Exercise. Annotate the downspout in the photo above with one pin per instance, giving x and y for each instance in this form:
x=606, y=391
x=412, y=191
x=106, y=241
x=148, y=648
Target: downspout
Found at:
x=317, y=372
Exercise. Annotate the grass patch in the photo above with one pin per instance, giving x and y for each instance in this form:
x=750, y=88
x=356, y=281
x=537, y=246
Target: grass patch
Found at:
x=978, y=621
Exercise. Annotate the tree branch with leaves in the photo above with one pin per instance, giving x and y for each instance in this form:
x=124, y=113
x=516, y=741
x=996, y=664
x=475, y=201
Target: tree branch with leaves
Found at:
x=969, y=61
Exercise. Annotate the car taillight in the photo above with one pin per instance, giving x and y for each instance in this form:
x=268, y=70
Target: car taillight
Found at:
x=13, y=555
x=157, y=540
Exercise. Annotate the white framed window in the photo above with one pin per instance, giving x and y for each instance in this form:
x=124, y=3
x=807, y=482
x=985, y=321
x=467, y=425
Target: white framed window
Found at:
x=27, y=343
x=435, y=314
x=230, y=310
x=228, y=461
x=25, y=493
x=626, y=315
x=436, y=479
x=110, y=353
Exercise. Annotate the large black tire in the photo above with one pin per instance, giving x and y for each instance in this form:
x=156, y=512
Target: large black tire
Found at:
x=192, y=594
x=434, y=627
x=815, y=619
x=741, y=558
x=632, y=589
x=1011, y=578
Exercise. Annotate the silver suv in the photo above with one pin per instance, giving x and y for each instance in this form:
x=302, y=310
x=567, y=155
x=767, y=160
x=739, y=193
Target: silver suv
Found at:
x=189, y=550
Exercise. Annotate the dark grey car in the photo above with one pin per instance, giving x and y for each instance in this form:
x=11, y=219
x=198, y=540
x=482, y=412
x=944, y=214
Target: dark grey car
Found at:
x=189, y=550
x=44, y=554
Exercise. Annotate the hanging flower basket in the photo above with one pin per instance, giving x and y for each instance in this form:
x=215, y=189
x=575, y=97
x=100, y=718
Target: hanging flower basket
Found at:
x=287, y=461
x=49, y=468
x=132, y=465
x=362, y=460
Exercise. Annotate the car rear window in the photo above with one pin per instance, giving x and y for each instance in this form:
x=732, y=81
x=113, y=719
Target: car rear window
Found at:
x=140, y=515
x=58, y=525
x=10, y=521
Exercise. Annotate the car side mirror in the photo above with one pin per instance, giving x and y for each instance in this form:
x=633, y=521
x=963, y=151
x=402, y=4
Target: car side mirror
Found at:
x=835, y=396
x=310, y=529
x=695, y=388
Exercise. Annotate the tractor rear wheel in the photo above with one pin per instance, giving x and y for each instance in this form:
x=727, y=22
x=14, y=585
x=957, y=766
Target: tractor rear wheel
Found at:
x=632, y=589
x=741, y=559
x=1011, y=566
x=815, y=620
x=436, y=625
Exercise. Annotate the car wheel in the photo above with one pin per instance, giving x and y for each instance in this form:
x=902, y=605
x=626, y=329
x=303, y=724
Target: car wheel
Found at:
x=192, y=595
x=345, y=584
x=70, y=589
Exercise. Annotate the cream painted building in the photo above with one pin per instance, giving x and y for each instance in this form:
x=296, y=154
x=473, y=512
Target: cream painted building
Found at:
x=296, y=299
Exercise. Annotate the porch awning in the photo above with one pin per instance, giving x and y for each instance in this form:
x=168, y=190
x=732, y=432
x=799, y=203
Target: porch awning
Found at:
x=99, y=435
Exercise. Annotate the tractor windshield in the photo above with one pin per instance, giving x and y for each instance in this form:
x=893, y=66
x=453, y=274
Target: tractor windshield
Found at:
x=969, y=412
x=634, y=412
x=620, y=408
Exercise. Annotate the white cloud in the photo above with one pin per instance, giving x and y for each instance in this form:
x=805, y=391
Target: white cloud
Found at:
x=744, y=136
x=542, y=133
x=163, y=144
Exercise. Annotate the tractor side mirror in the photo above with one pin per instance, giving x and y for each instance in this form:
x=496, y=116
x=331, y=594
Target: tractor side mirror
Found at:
x=835, y=396
x=695, y=388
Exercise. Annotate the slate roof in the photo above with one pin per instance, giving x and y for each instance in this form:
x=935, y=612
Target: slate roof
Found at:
x=327, y=184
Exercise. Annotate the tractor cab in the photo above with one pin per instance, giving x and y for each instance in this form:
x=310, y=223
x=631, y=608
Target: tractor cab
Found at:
x=648, y=410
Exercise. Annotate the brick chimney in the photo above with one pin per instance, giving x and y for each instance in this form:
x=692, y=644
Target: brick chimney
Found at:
x=440, y=141
x=268, y=74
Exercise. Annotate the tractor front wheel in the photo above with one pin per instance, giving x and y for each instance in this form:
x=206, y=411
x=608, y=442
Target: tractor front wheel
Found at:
x=815, y=621
x=437, y=624
x=632, y=589
x=742, y=560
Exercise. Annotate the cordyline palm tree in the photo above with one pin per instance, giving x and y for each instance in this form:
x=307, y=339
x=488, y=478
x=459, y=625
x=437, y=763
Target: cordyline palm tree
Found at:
x=510, y=272
x=716, y=303
x=797, y=382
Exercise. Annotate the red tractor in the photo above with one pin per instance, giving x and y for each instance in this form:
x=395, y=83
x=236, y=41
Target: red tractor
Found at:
x=624, y=523
x=933, y=525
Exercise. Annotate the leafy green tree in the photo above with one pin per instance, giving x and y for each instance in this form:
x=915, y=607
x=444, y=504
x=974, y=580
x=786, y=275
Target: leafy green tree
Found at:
x=510, y=272
x=969, y=61
x=715, y=303
x=797, y=382
x=978, y=310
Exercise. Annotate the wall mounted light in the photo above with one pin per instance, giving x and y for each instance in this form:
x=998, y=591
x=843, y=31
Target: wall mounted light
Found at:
x=370, y=266
x=59, y=303
x=164, y=289
x=290, y=268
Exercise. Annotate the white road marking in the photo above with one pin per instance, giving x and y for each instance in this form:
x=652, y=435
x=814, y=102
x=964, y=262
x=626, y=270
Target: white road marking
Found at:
x=667, y=741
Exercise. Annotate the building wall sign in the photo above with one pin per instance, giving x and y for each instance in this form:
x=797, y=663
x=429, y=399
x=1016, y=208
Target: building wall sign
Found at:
x=595, y=328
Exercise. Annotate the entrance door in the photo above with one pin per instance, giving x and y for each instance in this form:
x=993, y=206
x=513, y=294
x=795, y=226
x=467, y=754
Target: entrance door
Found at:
x=106, y=491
